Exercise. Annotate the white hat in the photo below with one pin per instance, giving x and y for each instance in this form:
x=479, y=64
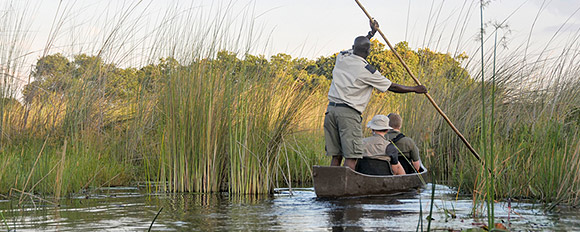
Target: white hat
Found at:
x=379, y=122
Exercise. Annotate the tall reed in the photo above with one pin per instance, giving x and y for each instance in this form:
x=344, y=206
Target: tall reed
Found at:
x=226, y=127
x=489, y=195
x=205, y=120
x=32, y=130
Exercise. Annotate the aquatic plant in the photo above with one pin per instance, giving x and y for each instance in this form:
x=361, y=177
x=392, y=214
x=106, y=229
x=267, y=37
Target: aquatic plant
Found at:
x=228, y=126
x=200, y=119
x=200, y=113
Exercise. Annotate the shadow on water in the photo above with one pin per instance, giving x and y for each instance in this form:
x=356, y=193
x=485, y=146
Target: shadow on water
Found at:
x=130, y=209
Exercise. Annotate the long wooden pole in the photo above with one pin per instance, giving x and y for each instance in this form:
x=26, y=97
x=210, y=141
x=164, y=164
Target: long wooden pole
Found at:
x=419, y=83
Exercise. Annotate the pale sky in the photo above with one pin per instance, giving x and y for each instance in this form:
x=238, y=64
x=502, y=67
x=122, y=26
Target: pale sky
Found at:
x=301, y=28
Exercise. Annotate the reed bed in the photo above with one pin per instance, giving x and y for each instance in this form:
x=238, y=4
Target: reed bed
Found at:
x=535, y=132
x=213, y=123
x=531, y=142
x=212, y=117
x=226, y=128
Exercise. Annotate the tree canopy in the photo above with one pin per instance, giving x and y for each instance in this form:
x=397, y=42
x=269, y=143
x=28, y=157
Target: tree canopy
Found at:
x=57, y=74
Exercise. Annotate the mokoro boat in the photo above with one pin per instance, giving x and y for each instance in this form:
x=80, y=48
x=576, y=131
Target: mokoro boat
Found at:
x=338, y=181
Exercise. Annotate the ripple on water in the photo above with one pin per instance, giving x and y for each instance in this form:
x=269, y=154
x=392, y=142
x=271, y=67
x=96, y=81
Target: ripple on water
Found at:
x=297, y=209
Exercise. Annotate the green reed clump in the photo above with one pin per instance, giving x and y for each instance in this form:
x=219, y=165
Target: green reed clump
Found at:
x=55, y=142
x=531, y=149
x=527, y=122
x=216, y=124
x=230, y=121
x=39, y=166
x=226, y=126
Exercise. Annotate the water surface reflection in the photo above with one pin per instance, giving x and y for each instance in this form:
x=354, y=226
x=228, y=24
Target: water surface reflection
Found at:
x=129, y=209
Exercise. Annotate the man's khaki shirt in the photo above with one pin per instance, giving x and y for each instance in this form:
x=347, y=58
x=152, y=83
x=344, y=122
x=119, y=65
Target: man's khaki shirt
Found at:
x=353, y=80
x=375, y=147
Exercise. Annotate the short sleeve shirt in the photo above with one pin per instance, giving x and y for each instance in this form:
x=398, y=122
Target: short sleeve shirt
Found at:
x=406, y=145
x=375, y=146
x=353, y=80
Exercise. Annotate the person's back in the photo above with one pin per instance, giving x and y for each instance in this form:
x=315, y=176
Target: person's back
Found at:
x=405, y=145
x=374, y=147
x=376, y=161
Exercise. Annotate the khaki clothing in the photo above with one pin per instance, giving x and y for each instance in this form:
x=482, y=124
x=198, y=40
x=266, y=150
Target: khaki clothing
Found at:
x=375, y=147
x=378, y=157
x=343, y=132
x=353, y=80
x=406, y=145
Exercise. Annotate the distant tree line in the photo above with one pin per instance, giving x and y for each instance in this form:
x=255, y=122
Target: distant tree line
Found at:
x=56, y=74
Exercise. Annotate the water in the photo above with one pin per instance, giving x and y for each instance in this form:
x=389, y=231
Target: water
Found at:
x=132, y=209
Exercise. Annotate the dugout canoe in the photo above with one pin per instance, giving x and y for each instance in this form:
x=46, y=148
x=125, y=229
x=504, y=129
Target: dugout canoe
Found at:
x=338, y=181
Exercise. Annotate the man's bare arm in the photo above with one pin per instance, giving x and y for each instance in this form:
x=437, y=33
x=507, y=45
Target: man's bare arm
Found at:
x=417, y=165
x=398, y=169
x=396, y=88
x=374, y=27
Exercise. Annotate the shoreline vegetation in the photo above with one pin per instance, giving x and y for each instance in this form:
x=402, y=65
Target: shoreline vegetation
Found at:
x=218, y=119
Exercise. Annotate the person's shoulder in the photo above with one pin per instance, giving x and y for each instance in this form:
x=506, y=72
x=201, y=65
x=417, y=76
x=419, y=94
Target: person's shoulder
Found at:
x=392, y=134
x=371, y=68
x=407, y=139
x=374, y=139
x=345, y=53
x=371, y=137
x=344, y=57
x=368, y=139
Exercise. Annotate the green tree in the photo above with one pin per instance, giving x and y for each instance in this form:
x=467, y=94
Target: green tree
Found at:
x=255, y=65
x=151, y=77
x=89, y=68
x=51, y=74
x=122, y=83
x=323, y=66
x=57, y=74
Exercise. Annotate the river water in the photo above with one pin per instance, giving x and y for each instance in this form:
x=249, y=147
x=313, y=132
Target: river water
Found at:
x=133, y=209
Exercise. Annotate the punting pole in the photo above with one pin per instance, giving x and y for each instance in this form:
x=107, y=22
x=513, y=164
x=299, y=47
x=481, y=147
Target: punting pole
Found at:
x=426, y=94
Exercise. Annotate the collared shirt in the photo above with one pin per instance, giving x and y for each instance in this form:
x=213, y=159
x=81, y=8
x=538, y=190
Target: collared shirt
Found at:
x=375, y=147
x=406, y=145
x=353, y=80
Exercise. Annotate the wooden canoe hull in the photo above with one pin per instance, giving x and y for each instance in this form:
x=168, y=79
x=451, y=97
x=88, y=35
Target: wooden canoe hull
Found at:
x=338, y=181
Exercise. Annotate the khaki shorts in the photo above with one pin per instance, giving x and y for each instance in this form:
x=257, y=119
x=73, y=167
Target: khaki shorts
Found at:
x=343, y=132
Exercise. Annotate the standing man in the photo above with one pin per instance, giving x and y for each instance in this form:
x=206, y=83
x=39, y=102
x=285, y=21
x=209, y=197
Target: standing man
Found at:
x=353, y=80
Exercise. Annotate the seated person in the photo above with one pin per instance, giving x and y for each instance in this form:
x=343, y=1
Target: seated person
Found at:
x=405, y=144
x=378, y=153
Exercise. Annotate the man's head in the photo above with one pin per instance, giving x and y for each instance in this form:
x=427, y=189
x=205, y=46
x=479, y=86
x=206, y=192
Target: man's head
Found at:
x=361, y=46
x=379, y=123
x=395, y=121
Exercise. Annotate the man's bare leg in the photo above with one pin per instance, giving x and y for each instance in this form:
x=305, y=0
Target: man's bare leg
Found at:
x=351, y=163
x=336, y=160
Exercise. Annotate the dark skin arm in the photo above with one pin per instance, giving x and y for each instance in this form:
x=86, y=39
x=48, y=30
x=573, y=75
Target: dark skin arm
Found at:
x=396, y=88
x=362, y=48
x=374, y=27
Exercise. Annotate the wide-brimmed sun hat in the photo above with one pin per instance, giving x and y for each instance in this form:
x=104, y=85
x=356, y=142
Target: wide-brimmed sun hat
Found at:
x=379, y=122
